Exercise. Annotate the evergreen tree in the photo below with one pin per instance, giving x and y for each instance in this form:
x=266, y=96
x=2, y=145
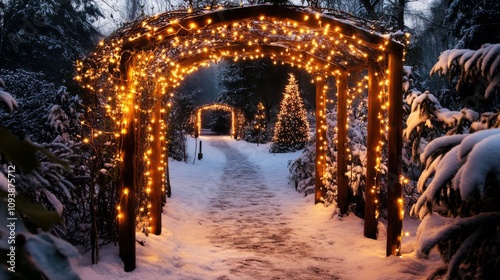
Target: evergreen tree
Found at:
x=256, y=132
x=238, y=90
x=220, y=122
x=473, y=22
x=291, y=131
x=47, y=36
x=179, y=125
x=246, y=82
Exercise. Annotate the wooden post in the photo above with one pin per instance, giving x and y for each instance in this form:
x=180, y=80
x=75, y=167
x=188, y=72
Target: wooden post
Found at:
x=234, y=123
x=395, y=142
x=321, y=128
x=198, y=123
x=342, y=180
x=127, y=189
x=156, y=170
x=373, y=151
x=168, y=187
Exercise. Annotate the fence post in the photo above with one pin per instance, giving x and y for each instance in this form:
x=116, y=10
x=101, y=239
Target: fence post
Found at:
x=321, y=144
x=342, y=181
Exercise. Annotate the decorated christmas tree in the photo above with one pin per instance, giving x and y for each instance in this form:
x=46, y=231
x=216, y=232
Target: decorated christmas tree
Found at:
x=256, y=131
x=292, y=129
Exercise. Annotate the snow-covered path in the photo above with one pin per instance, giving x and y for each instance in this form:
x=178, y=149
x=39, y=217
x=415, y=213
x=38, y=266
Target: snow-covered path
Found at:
x=233, y=216
x=247, y=216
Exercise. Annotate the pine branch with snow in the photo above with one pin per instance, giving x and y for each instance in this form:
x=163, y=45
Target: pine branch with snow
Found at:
x=460, y=203
x=472, y=66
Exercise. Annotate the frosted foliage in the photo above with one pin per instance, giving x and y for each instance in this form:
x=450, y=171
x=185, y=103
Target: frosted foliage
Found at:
x=482, y=160
x=466, y=165
x=470, y=115
x=439, y=143
x=302, y=172
x=3, y=182
x=471, y=140
x=412, y=96
x=459, y=207
x=58, y=206
x=8, y=100
x=450, y=118
x=476, y=126
x=445, y=170
x=435, y=227
x=408, y=72
x=50, y=254
x=469, y=65
x=429, y=171
x=429, y=229
x=419, y=114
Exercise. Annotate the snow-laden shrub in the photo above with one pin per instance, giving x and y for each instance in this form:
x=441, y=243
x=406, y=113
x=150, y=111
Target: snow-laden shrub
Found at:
x=180, y=124
x=460, y=203
x=302, y=170
x=257, y=130
x=302, y=173
x=472, y=66
x=51, y=117
x=30, y=252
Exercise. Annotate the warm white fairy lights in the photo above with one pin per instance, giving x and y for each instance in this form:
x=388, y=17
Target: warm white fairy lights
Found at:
x=140, y=64
x=218, y=107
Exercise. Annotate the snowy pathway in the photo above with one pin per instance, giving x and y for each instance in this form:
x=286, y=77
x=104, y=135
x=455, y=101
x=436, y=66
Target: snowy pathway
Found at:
x=233, y=216
x=247, y=216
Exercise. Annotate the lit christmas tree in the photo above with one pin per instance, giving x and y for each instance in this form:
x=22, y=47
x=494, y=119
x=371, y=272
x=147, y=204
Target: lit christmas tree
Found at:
x=291, y=131
x=256, y=132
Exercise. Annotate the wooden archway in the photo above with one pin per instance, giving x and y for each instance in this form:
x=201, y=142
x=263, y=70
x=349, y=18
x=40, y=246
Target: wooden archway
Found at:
x=235, y=116
x=135, y=68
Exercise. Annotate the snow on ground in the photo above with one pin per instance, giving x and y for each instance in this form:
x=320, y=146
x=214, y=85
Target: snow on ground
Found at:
x=233, y=215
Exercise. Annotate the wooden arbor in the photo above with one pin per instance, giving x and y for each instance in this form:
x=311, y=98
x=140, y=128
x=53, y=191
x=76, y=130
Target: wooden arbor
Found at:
x=235, y=116
x=132, y=71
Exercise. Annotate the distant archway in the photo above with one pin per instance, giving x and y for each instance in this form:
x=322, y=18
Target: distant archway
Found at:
x=236, y=117
x=130, y=74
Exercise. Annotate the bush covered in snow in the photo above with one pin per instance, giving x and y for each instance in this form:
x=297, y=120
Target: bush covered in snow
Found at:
x=180, y=124
x=27, y=249
x=460, y=203
x=302, y=173
x=480, y=66
x=257, y=131
x=460, y=178
x=51, y=117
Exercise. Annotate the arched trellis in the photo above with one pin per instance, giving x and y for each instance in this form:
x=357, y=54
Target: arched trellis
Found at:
x=134, y=69
x=236, y=115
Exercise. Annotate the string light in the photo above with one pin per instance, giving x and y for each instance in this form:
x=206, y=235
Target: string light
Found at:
x=155, y=54
x=219, y=107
